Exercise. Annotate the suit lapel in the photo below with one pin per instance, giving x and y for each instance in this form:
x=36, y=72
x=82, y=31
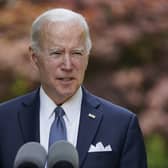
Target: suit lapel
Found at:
x=28, y=117
x=88, y=124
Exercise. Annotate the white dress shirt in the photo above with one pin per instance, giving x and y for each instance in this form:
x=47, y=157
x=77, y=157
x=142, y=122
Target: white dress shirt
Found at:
x=72, y=109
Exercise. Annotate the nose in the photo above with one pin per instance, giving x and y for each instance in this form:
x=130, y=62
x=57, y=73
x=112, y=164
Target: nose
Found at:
x=67, y=63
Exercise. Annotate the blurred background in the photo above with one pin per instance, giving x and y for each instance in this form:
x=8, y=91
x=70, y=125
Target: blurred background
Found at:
x=128, y=63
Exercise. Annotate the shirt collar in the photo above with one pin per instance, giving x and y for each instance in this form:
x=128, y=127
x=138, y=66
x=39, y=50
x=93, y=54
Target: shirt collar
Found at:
x=46, y=103
x=72, y=107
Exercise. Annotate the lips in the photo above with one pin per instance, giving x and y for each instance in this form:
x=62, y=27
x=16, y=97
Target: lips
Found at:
x=66, y=79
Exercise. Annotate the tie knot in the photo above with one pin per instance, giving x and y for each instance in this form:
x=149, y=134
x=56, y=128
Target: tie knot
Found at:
x=59, y=112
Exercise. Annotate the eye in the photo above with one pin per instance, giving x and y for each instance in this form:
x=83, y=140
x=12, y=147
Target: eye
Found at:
x=55, y=54
x=77, y=53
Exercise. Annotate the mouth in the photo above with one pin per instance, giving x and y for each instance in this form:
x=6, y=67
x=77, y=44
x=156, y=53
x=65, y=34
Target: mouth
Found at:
x=66, y=80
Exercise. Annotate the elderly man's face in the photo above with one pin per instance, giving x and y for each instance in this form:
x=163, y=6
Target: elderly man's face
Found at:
x=63, y=59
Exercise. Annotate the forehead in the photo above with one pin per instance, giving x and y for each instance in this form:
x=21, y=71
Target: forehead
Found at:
x=61, y=26
x=60, y=31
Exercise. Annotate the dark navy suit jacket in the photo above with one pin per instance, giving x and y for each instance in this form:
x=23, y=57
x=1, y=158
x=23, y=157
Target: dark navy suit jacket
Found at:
x=112, y=125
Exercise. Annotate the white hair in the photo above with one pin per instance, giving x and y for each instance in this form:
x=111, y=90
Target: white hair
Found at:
x=55, y=15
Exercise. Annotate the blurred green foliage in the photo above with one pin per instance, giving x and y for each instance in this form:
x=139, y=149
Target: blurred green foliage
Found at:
x=19, y=87
x=156, y=151
x=147, y=50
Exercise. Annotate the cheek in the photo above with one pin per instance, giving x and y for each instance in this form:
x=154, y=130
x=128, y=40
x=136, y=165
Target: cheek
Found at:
x=82, y=64
x=46, y=71
x=84, y=67
x=81, y=72
x=80, y=69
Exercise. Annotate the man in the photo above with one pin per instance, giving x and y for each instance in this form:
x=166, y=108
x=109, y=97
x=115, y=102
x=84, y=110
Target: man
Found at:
x=105, y=135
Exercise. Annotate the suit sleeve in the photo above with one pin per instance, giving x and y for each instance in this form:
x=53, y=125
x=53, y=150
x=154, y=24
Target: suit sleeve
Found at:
x=133, y=154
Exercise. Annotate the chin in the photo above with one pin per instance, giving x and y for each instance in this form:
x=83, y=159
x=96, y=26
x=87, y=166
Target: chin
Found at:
x=69, y=92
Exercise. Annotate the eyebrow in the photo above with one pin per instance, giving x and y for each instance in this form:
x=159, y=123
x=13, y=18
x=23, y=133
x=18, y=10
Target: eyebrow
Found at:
x=60, y=48
x=78, y=49
x=54, y=49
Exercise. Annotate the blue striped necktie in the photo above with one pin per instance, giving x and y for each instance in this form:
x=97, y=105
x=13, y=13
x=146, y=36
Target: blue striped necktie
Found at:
x=58, y=127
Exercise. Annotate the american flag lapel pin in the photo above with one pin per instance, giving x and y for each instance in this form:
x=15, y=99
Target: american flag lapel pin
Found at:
x=91, y=116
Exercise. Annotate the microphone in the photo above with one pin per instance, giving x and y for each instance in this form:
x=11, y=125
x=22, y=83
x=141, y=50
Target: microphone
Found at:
x=30, y=155
x=63, y=154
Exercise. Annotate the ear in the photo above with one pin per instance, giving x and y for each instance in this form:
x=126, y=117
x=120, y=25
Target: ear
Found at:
x=86, y=62
x=33, y=56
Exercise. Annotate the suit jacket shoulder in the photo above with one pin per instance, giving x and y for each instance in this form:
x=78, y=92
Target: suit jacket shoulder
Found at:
x=19, y=123
x=13, y=104
x=108, y=108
